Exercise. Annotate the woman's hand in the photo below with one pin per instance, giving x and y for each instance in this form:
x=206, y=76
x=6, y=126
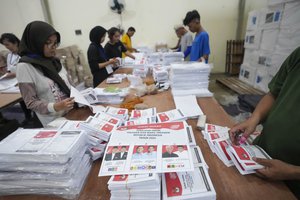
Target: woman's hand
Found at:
x=66, y=104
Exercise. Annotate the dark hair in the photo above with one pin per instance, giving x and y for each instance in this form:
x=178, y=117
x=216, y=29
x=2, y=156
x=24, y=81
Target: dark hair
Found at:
x=10, y=37
x=131, y=29
x=150, y=146
x=190, y=16
x=124, y=147
x=115, y=147
x=179, y=146
x=112, y=31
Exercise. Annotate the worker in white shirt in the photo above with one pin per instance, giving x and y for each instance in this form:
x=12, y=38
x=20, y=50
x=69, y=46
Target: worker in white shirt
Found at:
x=186, y=38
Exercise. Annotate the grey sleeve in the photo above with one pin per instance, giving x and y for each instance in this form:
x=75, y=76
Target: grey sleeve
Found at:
x=189, y=40
x=31, y=99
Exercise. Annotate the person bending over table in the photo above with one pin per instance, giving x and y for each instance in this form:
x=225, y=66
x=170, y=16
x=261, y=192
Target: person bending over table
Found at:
x=97, y=58
x=280, y=138
x=114, y=47
x=43, y=81
x=199, y=51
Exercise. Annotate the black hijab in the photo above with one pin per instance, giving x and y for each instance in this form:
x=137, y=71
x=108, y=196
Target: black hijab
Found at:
x=96, y=34
x=31, y=51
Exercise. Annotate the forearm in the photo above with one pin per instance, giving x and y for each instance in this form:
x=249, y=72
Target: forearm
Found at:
x=295, y=172
x=104, y=64
x=263, y=108
x=127, y=53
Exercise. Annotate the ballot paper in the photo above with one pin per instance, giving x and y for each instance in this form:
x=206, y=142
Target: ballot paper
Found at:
x=109, y=118
x=98, y=128
x=96, y=153
x=121, y=113
x=188, y=105
x=150, y=112
x=191, y=136
x=79, y=98
x=149, y=148
x=171, y=115
x=113, y=80
x=188, y=185
x=198, y=156
x=32, y=145
x=242, y=157
x=141, y=120
x=109, y=69
x=160, y=74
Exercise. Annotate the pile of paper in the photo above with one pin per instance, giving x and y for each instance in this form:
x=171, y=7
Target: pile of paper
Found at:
x=49, y=162
x=110, y=95
x=188, y=106
x=171, y=115
x=135, y=186
x=155, y=58
x=240, y=156
x=120, y=113
x=190, y=78
x=160, y=74
x=140, y=60
x=140, y=71
x=172, y=57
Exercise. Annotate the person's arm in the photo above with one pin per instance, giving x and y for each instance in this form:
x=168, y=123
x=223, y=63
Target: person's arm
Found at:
x=177, y=45
x=127, y=53
x=187, y=51
x=131, y=49
x=112, y=61
x=248, y=127
x=277, y=170
x=32, y=101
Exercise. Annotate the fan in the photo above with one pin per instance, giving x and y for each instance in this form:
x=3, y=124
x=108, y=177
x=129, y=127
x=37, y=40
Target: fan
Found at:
x=117, y=6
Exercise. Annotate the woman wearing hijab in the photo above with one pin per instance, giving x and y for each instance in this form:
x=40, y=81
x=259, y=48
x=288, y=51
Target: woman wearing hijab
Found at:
x=43, y=81
x=97, y=58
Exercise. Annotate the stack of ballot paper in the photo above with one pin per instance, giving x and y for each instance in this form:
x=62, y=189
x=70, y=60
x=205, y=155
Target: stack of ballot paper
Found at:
x=171, y=115
x=141, y=72
x=172, y=57
x=160, y=74
x=135, y=186
x=188, y=105
x=190, y=78
x=110, y=95
x=98, y=128
x=140, y=60
x=120, y=113
x=188, y=185
x=154, y=58
x=49, y=162
x=242, y=157
x=147, y=113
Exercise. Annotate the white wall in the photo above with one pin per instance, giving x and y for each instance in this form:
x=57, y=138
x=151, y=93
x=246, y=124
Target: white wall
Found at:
x=16, y=14
x=153, y=20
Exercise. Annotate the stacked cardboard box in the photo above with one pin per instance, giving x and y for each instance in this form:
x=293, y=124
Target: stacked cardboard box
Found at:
x=272, y=34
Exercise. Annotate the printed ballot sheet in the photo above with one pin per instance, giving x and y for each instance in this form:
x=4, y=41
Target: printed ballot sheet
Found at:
x=148, y=148
x=188, y=105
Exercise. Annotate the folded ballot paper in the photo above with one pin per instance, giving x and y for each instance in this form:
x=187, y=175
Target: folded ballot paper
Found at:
x=98, y=128
x=141, y=120
x=242, y=157
x=121, y=113
x=160, y=74
x=150, y=112
x=188, y=185
x=188, y=105
x=49, y=162
x=171, y=115
x=135, y=186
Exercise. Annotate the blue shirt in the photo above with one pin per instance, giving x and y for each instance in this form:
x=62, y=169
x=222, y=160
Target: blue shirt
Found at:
x=200, y=46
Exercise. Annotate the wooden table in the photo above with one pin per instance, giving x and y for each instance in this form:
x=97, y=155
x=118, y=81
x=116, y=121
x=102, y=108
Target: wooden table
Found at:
x=228, y=182
x=8, y=99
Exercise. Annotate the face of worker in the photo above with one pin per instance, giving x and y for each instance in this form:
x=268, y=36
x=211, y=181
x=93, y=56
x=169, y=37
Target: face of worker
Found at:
x=194, y=25
x=12, y=47
x=116, y=37
x=178, y=33
x=169, y=149
x=130, y=33
x=50, y=46
x=103, y=38
x=140, y=150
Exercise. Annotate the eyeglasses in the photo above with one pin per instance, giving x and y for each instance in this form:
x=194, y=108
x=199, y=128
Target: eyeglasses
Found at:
x=51, y=45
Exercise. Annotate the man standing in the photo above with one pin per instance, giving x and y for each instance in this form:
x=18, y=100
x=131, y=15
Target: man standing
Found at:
x=126, y=40
x=200, y=48
x=186, y=38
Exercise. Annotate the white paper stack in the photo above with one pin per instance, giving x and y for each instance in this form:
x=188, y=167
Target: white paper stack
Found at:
x=150, y=112
x=137, y=186
x=188, y=185
x=140, y=60
x=190, y=78
x=49, y=162
x=188, y=105
x=172, y=57
x=90, y=95
x=155, y=58
x=7, y=83
x=109, y=118
x=113, y=97
x=98, y=128
x=121, y=113
x=140, y=71
x=171, y=115
x=160, y=74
